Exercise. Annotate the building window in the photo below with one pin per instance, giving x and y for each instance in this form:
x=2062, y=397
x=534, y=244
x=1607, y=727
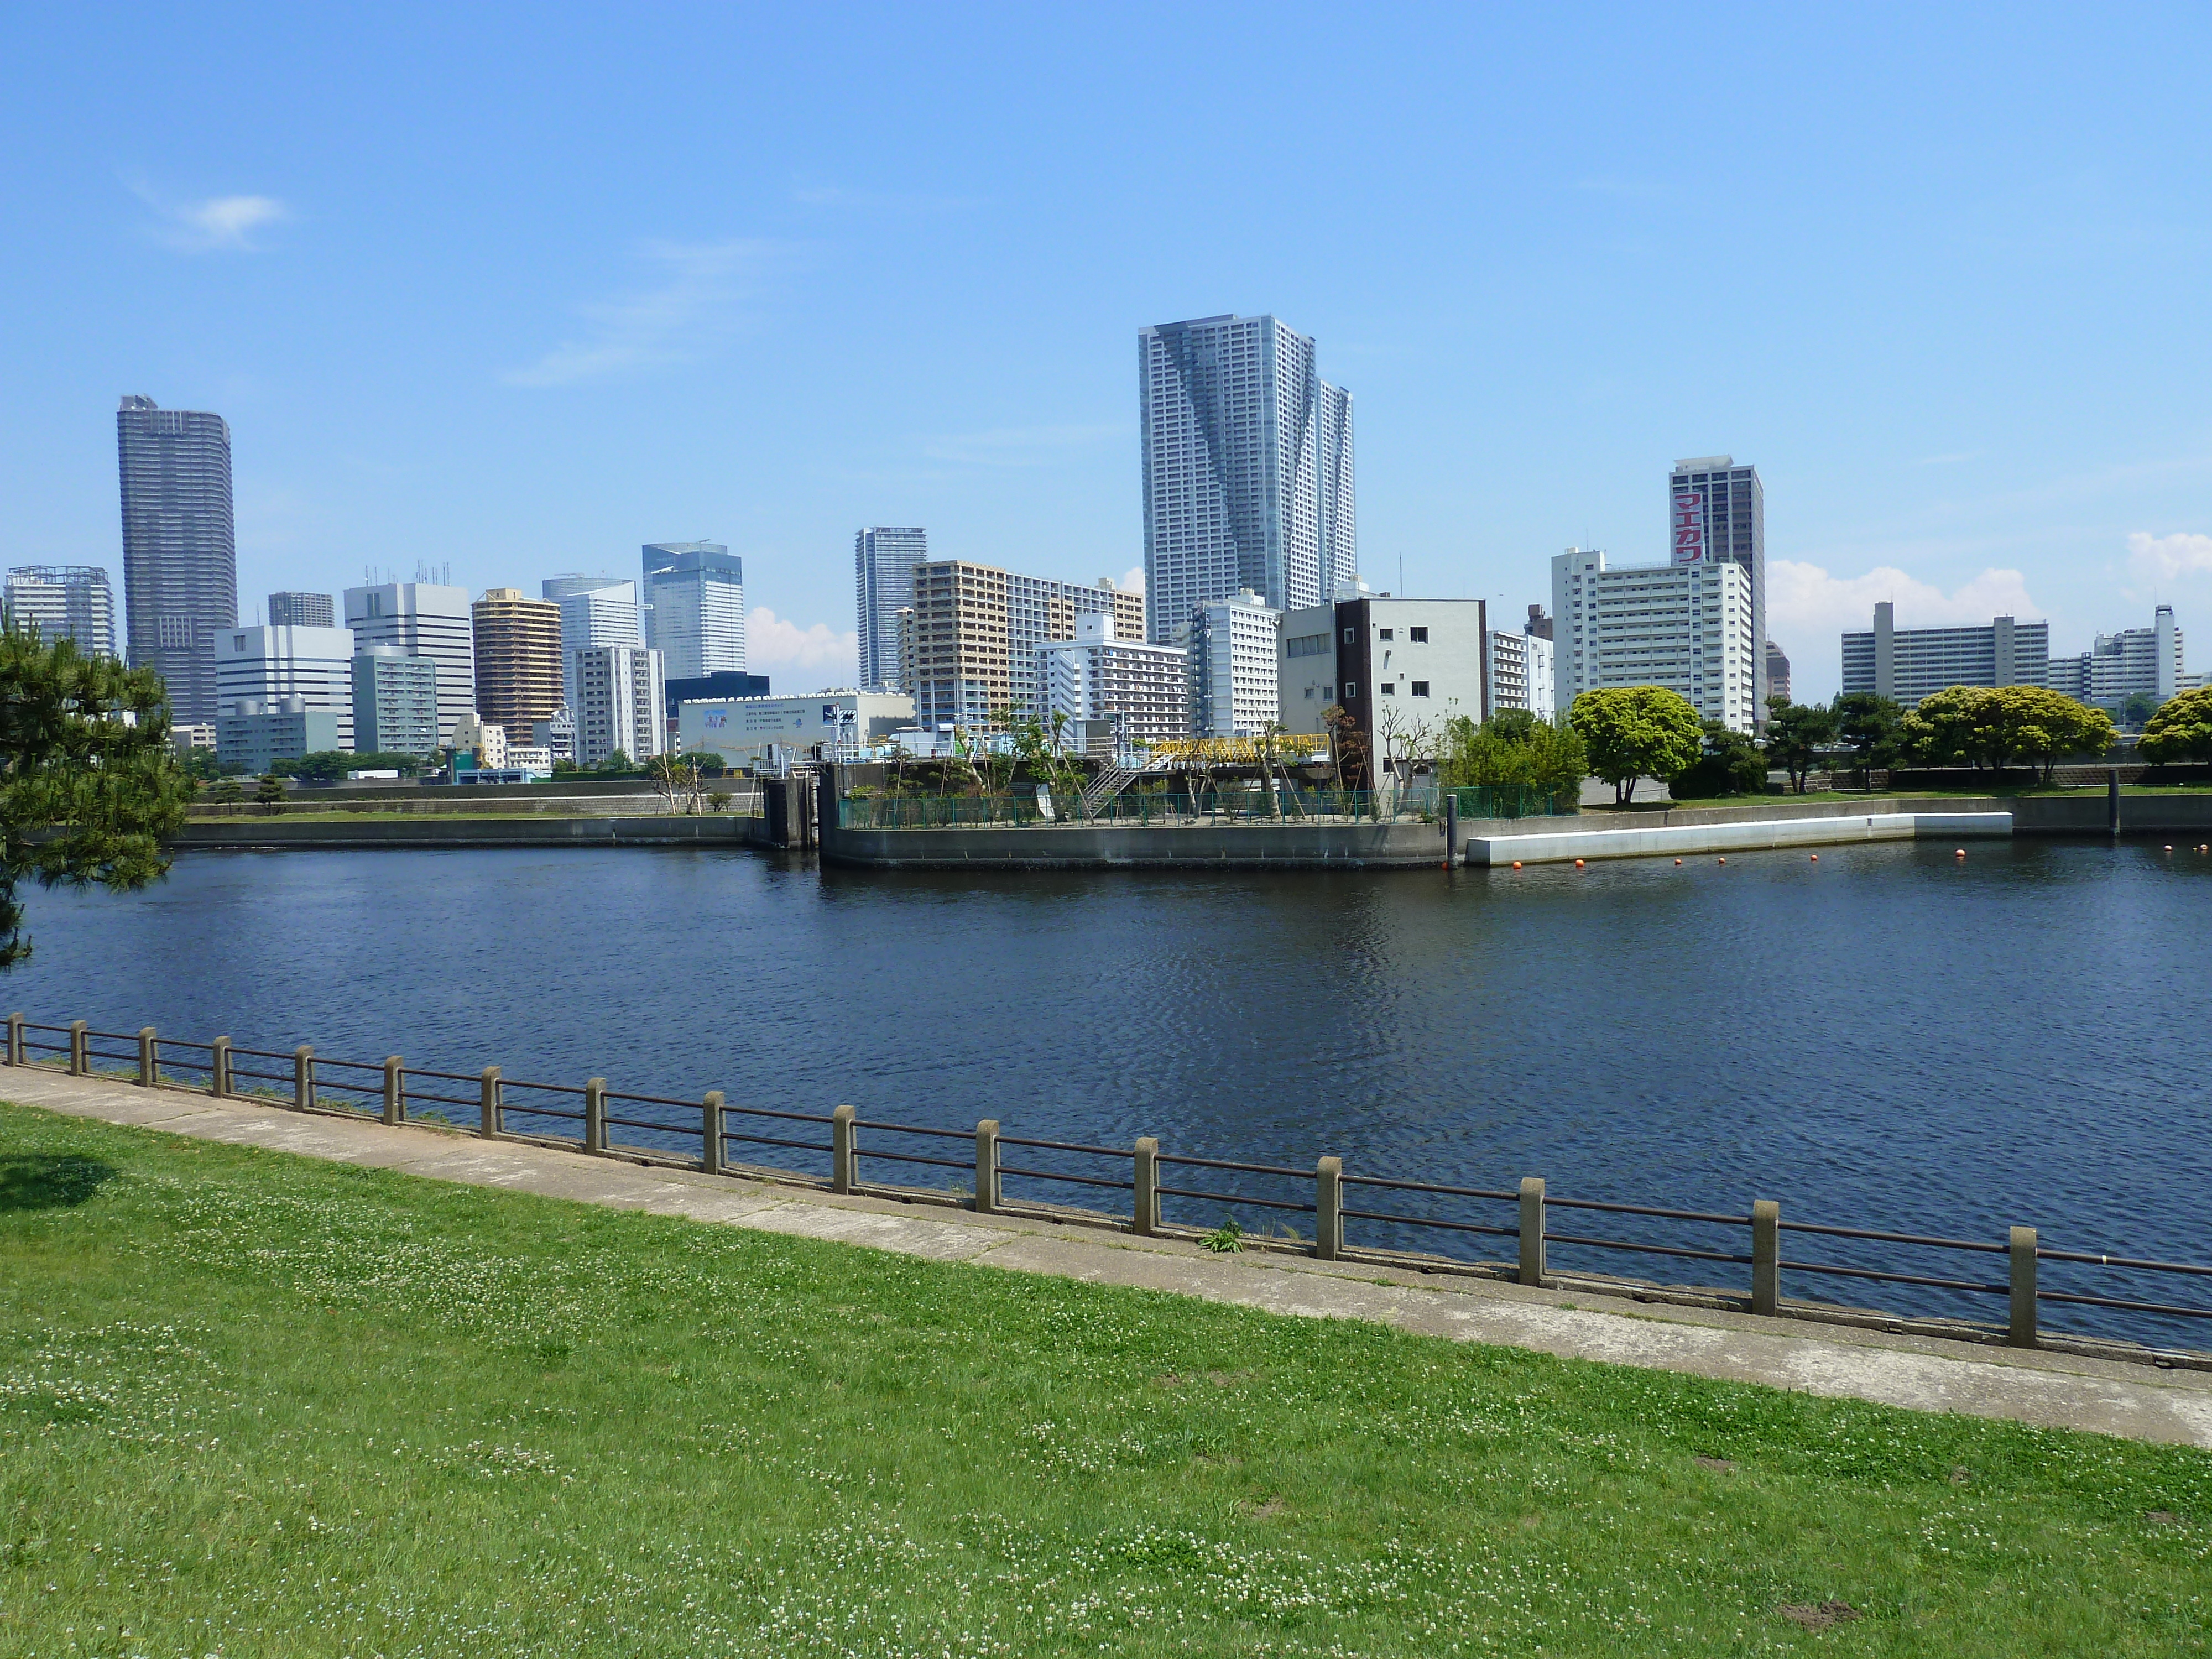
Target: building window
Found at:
x=1389, y=687
x=1350, y=689
x=1348, y=634
x=1419, y=636
x=1420, y=688
x=1386, y=633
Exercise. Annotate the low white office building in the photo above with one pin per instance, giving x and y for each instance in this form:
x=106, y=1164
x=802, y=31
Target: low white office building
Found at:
x=1685, y=627
x=741, y=729
x=1139, y=688
x=266, y=666
x=619, y=691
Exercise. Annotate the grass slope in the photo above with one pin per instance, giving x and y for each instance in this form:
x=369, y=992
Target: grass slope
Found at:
x=252, y=1405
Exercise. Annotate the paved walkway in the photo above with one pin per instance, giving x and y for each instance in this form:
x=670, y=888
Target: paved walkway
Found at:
x=1925, y=1374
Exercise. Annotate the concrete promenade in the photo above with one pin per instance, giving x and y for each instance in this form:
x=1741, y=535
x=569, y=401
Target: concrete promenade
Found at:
x=1920, y=1373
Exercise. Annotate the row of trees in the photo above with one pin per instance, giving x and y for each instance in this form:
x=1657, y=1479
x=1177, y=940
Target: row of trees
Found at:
x=1647, y=731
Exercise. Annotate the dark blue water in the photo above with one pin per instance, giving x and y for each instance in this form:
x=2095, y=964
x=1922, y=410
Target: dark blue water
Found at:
x=1888, y=1037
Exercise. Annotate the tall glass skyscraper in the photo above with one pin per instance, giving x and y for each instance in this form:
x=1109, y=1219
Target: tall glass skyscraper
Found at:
x=695, y=608
x=1716, y=513
x=179, y=548
x=883, y=558
x=1248, y=478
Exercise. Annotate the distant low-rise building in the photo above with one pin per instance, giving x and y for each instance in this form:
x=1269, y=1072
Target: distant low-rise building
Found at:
x=2137, y=662
x=1909, y=664
x=256, y=734
x=1777, y=673
x=289, y=610
x=741, y=729
x=484, y=741
x=1398, y=668
x=183, y=739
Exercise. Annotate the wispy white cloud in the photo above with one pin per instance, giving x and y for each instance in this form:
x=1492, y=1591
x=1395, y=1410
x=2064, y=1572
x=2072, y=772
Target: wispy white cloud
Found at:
x=1132, y=579
x=1017, y=445
x=1806, y=607
x=219, y=223
x=2163, y=558
x=694, y=304
x=776, y=644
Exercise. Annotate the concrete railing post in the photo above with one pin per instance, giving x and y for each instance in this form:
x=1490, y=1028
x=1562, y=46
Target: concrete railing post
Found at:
x=2020, y=1333
x=1145, y=1218
x=1328, y=1208
x=488, y=1103
x=842, y=1152
x=14, y=1039
x=80, y=1049
x=2113, y=800
x=1765, y=1256
x=1532, y=1230
x=713, y=1149
x=303, y=1077
x=149, y=1058
x=219, y=1067
x=986, y=1166
x=395, y=1090
x=595, y=1115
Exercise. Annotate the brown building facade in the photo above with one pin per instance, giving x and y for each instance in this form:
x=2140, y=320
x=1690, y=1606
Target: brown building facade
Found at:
x=518, y=648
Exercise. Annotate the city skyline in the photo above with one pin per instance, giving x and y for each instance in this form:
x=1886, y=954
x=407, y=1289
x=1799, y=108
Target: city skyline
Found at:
x=535, y=359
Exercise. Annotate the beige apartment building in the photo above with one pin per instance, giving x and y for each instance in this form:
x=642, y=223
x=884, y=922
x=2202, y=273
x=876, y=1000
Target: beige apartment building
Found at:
x=968, y=644
x=518, y=650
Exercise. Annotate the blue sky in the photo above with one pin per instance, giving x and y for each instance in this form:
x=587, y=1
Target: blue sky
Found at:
x=516, y=289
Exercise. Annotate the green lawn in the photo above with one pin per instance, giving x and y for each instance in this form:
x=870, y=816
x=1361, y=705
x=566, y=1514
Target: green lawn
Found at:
x=252, y=1405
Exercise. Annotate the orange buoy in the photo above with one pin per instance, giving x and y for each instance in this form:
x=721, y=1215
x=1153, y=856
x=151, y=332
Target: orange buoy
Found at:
x=1678, y=860
x=1579, y=863
x=1816, y=858
x=1724, y=860
x=1516, y=864
x=2169, y=849
x=1960, y=853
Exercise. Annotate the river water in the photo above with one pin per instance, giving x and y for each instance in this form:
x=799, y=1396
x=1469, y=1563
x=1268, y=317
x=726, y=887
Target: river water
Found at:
x=1888, y=1036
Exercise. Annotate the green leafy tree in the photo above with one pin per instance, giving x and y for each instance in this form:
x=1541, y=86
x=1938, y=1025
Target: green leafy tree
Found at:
x=1635, y=730
x=324, y=766
x=1872, y=727
x=1731, y=764
x=617, y=762
x=2181, y=730
x=1795, y=734
x=1514, y=747
x=1994, y=725
x=270, y=792
x=86, y=793
x=227, y=792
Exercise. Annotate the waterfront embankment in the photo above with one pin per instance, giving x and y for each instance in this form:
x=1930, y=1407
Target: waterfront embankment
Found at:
x=332, y=831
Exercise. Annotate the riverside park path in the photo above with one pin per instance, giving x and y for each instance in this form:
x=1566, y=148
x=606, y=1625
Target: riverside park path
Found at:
x=1920, y=1373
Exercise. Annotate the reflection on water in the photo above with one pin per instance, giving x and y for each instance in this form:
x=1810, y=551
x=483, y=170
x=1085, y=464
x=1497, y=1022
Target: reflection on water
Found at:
x=1886, y=1037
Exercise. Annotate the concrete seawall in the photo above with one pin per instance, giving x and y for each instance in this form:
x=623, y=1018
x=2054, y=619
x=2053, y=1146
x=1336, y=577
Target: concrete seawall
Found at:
x=1562, y=847
x=323, y=833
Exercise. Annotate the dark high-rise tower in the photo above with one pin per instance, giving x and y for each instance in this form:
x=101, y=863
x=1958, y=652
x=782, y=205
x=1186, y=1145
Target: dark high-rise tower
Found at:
x=179, y=548
x=1716, y=513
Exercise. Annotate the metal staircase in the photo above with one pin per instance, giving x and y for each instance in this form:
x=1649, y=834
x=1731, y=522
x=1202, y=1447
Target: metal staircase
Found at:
x=1107, y=785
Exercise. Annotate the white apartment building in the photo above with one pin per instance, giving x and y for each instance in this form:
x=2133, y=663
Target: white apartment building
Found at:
x=68, y=602
x=1685, y=627
x=619, y=691
x=595, y=611
x=740, y=729
x=1520, y=669
x=485, y=739
x=423, y=619
x=1233, y=670
x=265, y=666
x=1100, y=675
x=2135, y=662
x=1909, y=664
x=1042, y=609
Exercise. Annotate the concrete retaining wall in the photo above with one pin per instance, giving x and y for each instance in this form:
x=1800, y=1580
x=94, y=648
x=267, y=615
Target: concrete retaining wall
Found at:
x=1081, y=846
x=1560, y=847
x=269, y=834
